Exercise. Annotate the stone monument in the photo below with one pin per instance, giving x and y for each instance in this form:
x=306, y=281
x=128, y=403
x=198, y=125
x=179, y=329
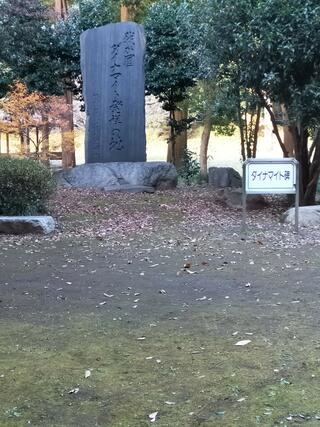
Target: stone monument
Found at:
x=112, y=64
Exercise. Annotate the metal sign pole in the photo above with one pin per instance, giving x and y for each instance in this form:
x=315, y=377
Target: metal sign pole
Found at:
x=297, y=197
x=244, y=200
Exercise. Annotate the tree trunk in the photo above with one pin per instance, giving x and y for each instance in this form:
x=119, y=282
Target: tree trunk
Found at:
x=288, y=141
x=61, y=8
x=205, y=138
x=172, y=140
x=37, y=137
x=68, y=146
x=127, y=13
x=124, y=13
x=300, y=137
x=8, y=143
x=242, y=139
x=268, y=107
x=256, y=133
x=23, y=143
x=241, y=129
x=45, y=141
x=27, y=141
x=247, y=131
x=314, y=172
x=178, y=141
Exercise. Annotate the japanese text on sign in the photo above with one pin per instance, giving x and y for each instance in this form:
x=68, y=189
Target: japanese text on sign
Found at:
x=122, y=54
x=270, y=175
x=274, y=176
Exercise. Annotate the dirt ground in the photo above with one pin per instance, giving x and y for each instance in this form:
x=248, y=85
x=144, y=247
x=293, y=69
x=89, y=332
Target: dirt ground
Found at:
x=130, y=315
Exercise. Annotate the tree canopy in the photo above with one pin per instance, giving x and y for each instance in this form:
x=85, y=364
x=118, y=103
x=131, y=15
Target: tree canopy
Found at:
x=46, y=53
x=263, y=53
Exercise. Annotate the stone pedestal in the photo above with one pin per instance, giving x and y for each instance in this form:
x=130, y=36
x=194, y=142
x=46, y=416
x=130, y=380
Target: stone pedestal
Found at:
x=121, y=176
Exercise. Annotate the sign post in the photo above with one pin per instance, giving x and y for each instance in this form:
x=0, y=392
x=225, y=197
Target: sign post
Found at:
x=270, y=176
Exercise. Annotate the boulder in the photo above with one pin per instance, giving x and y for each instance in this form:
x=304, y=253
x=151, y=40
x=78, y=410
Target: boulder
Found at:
x=224, y=177
x=117, y=175
x=232, y=197
x=26, y=224
x=309, y=216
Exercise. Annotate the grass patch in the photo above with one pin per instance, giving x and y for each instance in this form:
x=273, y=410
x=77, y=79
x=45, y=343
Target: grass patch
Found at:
x=203, y=373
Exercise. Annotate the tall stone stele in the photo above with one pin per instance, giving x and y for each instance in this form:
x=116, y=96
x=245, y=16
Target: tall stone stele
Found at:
x=112, y=63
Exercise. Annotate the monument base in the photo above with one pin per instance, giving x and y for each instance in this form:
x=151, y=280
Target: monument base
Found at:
x=119, y=176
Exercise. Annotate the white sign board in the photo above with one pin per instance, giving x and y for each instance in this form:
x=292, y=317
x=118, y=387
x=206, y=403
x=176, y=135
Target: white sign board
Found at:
x=270, y=176
x=276, y=176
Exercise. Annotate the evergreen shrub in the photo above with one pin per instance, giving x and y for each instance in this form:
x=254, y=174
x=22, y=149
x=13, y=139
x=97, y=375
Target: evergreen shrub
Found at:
x=25, y=186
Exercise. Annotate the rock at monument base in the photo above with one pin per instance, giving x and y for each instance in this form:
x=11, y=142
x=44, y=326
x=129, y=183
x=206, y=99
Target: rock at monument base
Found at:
x=309, y=216
x=26, y=224
x=116, y=176
x=232, y=197
x=224, y=177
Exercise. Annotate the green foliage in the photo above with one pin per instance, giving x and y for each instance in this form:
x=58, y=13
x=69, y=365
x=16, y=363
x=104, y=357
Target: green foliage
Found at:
x=171, y=63
x=6, y=79
x=189, y=172
x=25, y=186
x=291, y=74
x=271, y=47
x=171, y=66
x=95, y=13
x=42, y=52
x=215, y=99
x=270, y=50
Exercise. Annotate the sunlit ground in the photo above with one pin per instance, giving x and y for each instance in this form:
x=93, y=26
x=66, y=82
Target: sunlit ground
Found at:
x=223, y=151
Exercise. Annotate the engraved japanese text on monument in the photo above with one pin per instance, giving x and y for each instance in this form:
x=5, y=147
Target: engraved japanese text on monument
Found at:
x=112, y=68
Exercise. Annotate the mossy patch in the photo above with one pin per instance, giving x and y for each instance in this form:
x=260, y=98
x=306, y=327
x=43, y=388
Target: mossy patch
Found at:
x=189, y=373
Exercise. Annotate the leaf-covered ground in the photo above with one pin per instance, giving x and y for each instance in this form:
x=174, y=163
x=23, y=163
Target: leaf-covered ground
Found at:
x=131, y=312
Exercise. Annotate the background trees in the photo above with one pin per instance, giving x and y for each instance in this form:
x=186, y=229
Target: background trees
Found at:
x=30, y=115
x=230, y=60
x=267, y=50
x=171, y=66
x=287, y=70
x=45, y=55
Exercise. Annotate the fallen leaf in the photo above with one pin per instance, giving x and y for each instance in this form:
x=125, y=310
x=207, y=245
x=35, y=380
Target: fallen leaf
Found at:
x=153, y=416
x=243, y=342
